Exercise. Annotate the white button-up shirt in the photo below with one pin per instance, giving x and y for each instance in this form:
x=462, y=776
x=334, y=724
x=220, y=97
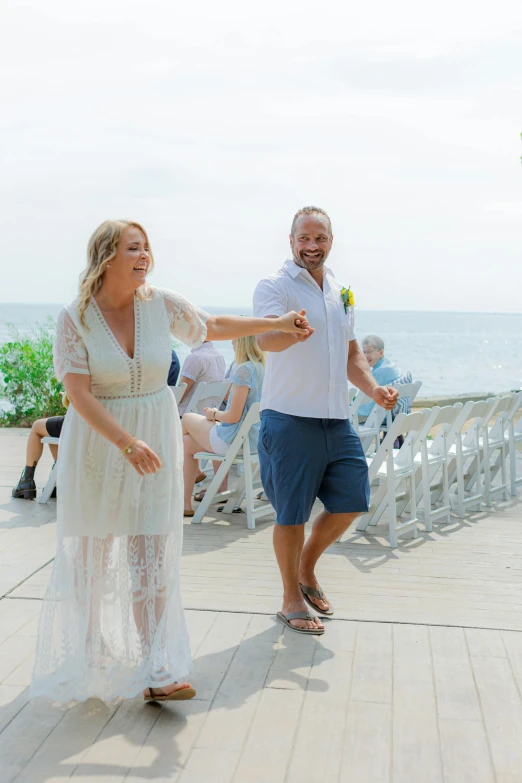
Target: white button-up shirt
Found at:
x=309, y=378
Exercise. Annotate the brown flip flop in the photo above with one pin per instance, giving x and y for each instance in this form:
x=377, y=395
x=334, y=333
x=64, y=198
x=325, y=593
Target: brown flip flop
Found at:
x=200, y=477
x=285, y=620
x=307, y=591
x=182, y=694
x=188, y=512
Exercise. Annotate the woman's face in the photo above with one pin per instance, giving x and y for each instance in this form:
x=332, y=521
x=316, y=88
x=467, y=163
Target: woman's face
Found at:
x=132, y=260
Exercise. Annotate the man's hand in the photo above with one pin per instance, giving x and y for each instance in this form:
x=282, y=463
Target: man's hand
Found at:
x=386, y=397
x=303, y=323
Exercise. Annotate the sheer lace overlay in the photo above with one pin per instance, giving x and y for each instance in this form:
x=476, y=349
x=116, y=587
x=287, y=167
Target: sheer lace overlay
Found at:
x=112, y=621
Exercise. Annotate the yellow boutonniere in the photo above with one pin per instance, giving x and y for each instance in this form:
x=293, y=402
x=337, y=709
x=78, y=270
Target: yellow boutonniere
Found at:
x=347, y=298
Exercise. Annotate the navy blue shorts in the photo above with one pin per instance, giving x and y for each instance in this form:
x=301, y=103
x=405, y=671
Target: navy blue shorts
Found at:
x=303, y=459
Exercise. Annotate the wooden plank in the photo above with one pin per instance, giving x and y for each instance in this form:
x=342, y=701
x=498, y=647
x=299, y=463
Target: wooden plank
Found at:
x=221, y=764
x=269, y=745
x=372, y=673
x=465, y=752
x=502, y=709
x=215, y=653
x=367, y=744
x=413, y=687
x=481, y=642
x=13, y=698
x=457, y=697
x=293, y=661
x=228, y=722
x=23, y=736
x=416, y=751
x=323, y=715
x=62, y=752
x=168, y=747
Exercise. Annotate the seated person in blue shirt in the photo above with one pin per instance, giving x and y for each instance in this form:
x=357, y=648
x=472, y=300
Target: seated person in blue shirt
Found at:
x=383, y=370
x=216, y=430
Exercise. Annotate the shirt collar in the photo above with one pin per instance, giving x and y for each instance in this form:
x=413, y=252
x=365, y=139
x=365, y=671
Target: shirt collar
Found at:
x=293, y=270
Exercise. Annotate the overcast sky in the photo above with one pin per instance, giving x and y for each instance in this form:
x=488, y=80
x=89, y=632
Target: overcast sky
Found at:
x=213, y=122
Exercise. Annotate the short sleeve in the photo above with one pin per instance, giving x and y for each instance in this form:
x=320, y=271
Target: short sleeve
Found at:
x=187, y=322
x=243, y=376
x=69, y=352
x=191, y=367
x=269, y=299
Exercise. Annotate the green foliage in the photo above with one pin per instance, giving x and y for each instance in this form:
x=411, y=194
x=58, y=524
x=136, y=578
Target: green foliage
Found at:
x=29, y=383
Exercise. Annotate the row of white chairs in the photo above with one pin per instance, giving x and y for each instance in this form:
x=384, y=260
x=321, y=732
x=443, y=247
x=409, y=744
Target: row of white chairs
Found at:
x=470, y=449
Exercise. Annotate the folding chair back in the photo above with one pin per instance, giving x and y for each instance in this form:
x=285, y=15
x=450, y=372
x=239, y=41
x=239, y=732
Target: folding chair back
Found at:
x=514, y=437
x=178, y=392
x=217, y=390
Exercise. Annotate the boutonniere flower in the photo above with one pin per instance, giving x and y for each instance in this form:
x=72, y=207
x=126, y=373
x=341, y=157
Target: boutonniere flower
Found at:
x=347, y=298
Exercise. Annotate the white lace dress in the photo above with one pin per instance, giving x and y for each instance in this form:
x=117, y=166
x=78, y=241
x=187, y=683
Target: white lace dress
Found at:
x=112, y=621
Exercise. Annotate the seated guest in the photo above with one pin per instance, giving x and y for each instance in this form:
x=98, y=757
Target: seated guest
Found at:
x=215, y=431
x=174, y=370
x=383, y=370
x=204, y=363
x=42, y=428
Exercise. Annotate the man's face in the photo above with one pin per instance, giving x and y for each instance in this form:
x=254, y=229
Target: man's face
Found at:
x=311, y=242
x=372, y=354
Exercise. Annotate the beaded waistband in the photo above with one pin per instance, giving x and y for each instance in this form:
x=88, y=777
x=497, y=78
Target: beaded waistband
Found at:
x=131, y=396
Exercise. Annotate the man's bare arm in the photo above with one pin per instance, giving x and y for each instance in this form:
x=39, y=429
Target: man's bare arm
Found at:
x=275, y=341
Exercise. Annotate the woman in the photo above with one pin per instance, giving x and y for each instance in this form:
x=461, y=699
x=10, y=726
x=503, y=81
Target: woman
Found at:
x=216, y=430
x=112, y=621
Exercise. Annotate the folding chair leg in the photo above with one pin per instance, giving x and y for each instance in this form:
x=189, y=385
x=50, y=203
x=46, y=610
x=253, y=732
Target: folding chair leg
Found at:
x=211, y=491
x=249, y=486
x=426, y=494
x=513, y=466
x=51, y=483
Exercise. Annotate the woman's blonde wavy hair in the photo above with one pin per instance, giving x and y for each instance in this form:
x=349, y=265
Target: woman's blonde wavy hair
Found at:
x=102, y=247
x=247, y=350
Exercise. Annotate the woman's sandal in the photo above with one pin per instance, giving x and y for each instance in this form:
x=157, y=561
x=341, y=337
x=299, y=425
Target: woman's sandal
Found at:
x=200, y=477
x=198, y=497
x=188, y=512
x=180, y=694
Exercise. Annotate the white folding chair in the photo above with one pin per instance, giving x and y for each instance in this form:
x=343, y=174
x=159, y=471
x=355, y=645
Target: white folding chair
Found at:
x=465, y=457
x=178, y=392
x=514, y=437
x=47, y=491
x=216, y=389
x=493, y=439
x=433, y=459
x=250, y=462
x=395, y=470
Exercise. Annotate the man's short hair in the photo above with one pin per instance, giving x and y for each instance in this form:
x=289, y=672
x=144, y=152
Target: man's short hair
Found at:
x=310, y=211
x=375, y=340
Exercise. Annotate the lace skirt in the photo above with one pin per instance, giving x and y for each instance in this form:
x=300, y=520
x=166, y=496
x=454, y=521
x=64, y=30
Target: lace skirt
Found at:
x=112, y=621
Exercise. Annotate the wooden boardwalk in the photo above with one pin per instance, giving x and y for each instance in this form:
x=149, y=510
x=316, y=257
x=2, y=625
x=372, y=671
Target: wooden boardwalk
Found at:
x=417, y=680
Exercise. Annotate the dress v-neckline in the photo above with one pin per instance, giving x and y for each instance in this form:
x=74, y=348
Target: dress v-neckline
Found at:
x=111, y=334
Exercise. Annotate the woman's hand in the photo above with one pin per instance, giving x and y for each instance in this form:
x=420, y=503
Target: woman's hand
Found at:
x=294, y=323
x=143, y=459
x=210, y=413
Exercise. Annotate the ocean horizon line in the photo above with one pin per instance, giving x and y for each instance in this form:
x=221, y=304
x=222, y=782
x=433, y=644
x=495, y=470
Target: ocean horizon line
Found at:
x=360, y=309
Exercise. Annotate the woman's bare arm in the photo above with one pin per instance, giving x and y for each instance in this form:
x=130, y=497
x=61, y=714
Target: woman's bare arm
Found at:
x=237, y=406
x=229, y=327
x=78, y=388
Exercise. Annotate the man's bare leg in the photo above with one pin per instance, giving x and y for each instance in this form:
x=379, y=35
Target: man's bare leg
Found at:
x=326, y=529
x=288, y=546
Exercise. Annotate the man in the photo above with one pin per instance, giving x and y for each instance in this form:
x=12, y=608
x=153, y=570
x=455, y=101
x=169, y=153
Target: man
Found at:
x=204, y=363
x=307, y=447
x=383, y=370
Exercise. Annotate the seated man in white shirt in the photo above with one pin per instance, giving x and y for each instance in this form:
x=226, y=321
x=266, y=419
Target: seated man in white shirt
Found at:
x=204, y=363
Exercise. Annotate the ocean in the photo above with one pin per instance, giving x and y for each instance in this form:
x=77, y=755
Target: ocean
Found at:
x=451, y=353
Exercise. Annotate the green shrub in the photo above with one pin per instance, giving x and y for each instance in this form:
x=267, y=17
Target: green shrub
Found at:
x=29, y=383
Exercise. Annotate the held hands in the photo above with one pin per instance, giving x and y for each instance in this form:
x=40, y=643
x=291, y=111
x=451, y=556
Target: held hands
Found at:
x=386, y=397
x=295, y=324
x=143, y=459
x=210, y=413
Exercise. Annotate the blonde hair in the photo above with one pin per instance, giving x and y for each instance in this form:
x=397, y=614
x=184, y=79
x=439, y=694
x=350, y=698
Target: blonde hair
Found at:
x=101, y=249
x=247, y=350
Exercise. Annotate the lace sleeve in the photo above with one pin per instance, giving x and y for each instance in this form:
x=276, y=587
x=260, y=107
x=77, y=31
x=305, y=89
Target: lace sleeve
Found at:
x=243, y=376
x=187, y=322
x=69, y=353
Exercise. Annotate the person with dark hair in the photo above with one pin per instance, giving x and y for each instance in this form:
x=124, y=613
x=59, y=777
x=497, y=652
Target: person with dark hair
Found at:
x=308, y=448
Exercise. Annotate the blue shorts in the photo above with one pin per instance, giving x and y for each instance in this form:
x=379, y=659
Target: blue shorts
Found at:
x=302, y=459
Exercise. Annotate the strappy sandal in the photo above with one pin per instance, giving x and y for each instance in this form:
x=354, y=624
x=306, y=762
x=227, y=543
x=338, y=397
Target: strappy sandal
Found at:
x=198, y=497
x=307, y=591
x=181, y=694
x=188, y=512
x=200, y=477
x=285, y=620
